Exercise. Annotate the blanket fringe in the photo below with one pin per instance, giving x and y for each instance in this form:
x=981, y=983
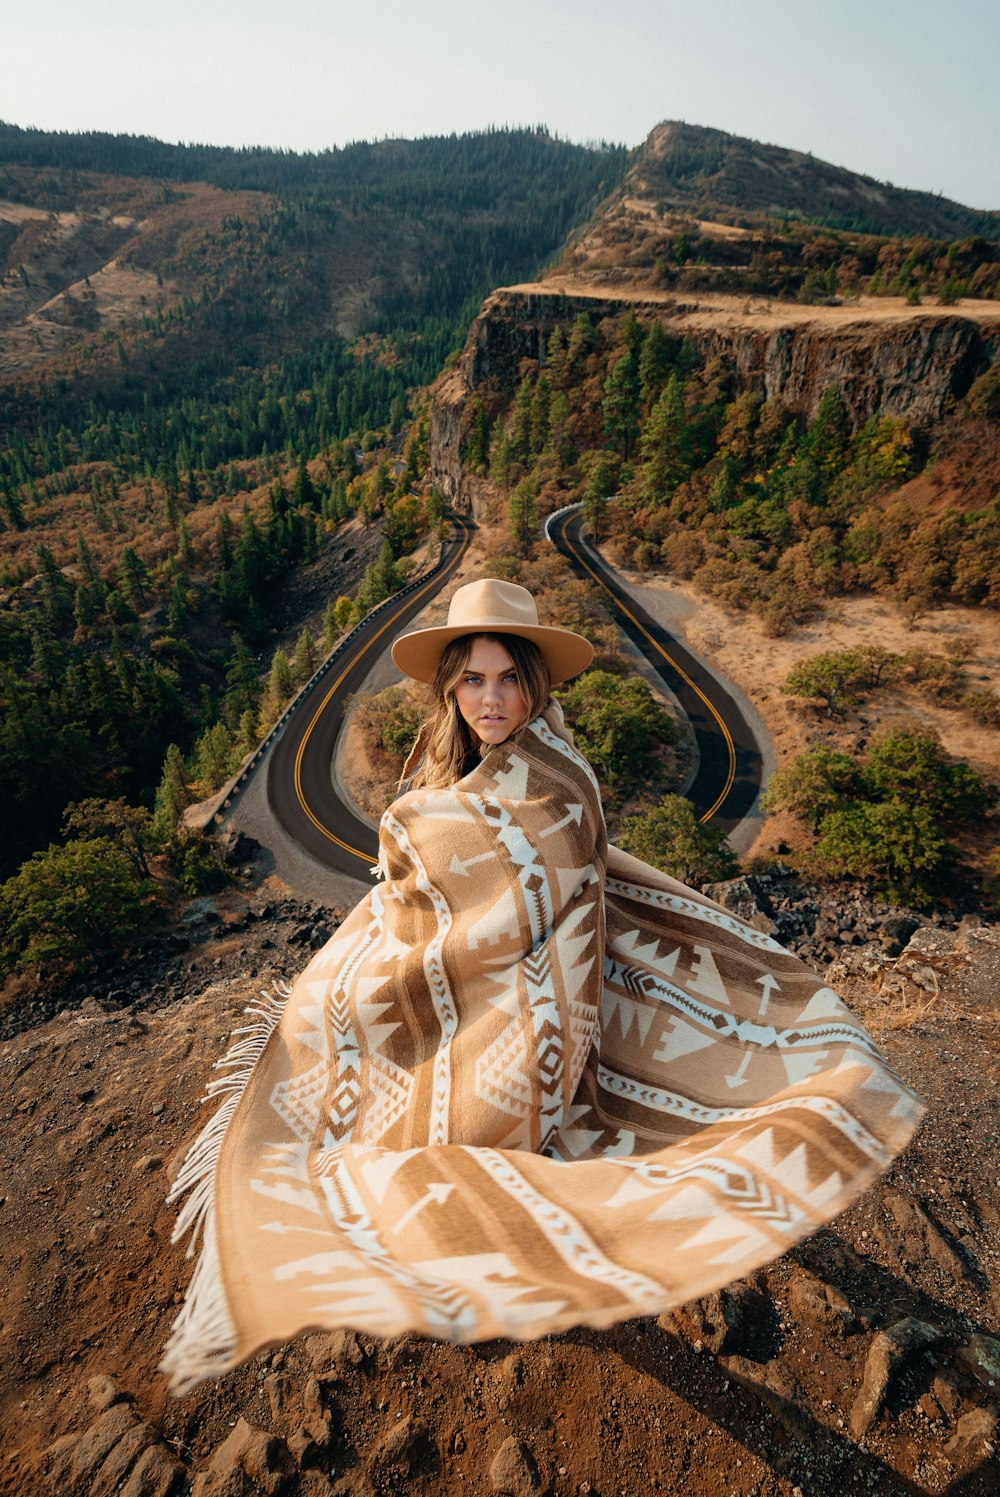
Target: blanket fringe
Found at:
x=202, y=1343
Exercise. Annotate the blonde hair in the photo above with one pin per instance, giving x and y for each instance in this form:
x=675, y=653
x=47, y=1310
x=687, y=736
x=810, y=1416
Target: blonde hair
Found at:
x=445, y=739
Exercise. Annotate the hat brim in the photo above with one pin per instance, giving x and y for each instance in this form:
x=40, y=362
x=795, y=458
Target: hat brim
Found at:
x=566, y=654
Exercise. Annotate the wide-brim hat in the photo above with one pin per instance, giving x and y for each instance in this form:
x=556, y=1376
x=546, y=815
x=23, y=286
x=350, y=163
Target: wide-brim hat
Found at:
x=490, y=606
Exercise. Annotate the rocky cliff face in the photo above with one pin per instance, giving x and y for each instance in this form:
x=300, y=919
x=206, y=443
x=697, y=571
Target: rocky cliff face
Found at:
x=910, y=366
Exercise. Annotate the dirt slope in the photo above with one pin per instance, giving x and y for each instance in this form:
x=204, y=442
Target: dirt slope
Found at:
x=866, y=1360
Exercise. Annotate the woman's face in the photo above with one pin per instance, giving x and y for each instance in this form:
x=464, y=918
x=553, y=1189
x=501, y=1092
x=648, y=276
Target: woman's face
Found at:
x=488, y=695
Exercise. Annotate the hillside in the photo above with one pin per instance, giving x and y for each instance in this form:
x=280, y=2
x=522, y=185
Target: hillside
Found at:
x=701, y=211
x=255, y=255
x=192, y=363
x=701, y=172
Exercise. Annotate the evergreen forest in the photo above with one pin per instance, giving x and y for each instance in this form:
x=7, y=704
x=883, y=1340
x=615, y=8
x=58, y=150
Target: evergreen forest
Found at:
x=159, y=480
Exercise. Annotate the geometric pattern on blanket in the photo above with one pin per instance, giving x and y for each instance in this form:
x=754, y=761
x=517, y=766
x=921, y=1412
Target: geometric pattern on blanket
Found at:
x=530, y=1083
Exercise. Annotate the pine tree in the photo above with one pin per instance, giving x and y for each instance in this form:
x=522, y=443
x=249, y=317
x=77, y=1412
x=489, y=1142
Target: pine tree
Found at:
x=212, y=756
x=55, y=592
x=665, y=446
x=224, y=555
x=477, y=443
x=539, y=426
x=522, y=514
x=185, y=550
x=581, y=341
x=304, y=492
x=621, y=405
x=14, y=508
x=241, y=676
x=520, y=422
x=655, y=361
x=85, y=560
x=172, y=793
x=133, y=575
x=555, y=355
x=330, y=628
x=304, y=659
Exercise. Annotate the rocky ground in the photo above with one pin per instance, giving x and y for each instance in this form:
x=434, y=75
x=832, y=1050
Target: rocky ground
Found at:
x=866, y=1360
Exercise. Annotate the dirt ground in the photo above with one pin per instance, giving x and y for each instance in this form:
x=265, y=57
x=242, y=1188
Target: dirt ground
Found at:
x=737, y=646
x=701, y=309
x=865, y=1360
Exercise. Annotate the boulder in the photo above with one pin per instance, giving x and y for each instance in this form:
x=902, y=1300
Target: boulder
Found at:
x=513, y=1471
x=745, y=897
x=888, y=1352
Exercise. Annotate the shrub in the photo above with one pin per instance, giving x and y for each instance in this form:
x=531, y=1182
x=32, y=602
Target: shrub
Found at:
x=813, y=784
x=912, y=766
x=836, y=677
x=983, y=706
x=983, y=398
x=193, y=862
x=889, y=842
x=670, y=836
x=73, y=902
x=617, y=723
x=886, y=820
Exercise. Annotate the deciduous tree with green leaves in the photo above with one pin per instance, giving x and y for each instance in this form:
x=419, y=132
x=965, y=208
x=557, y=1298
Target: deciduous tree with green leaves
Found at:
x=834, y=676
x=670, y=836
x=129, y=827
x=72, y=902
x=813, y=784
x=617, y=723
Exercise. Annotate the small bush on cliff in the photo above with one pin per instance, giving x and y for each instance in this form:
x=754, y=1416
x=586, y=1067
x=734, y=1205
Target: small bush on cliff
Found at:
x=887, y=820
x=71, y=903
x=670, y=836
x=983, y=398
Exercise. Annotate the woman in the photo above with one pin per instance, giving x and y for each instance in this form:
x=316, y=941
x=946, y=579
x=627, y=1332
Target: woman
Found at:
x=531, y=1082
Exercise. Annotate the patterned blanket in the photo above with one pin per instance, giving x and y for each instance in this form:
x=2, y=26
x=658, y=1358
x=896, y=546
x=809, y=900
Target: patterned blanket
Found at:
x=530, y=1083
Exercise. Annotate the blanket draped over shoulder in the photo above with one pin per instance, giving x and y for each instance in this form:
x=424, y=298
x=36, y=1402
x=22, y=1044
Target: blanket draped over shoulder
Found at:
x=530, y=1083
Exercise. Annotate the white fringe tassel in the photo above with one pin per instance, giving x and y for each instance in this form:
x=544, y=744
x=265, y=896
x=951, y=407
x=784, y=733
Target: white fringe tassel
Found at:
x=202, y=1343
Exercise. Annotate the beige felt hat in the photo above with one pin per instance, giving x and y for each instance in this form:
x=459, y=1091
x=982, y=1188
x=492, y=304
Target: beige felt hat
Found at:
x=490, y=606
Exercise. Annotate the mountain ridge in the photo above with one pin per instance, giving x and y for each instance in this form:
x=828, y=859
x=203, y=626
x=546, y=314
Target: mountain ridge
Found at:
x=692, y=163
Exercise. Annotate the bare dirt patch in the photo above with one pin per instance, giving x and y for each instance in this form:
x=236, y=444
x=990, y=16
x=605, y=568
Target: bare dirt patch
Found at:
x=859, y=1362
x=698, y=309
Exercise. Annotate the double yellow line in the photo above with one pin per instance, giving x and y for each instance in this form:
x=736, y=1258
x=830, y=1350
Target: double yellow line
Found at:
x=432, y=583
x=727, y=736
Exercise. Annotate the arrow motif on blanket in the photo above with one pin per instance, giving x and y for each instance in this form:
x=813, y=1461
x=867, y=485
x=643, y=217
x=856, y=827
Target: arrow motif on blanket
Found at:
x=461, y=866
x=437, y=1192
x=574, y=814
x=739, y=1076
x=770, y=985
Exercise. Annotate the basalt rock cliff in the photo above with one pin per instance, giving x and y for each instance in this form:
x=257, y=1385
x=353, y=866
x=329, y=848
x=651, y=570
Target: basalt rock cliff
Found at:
x=912, y=364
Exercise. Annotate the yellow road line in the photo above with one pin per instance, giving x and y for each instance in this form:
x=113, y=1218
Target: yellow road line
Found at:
x=730, y=745
x=299, y=792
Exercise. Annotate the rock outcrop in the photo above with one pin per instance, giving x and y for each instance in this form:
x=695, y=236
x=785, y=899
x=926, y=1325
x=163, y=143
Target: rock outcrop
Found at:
x=910, y=367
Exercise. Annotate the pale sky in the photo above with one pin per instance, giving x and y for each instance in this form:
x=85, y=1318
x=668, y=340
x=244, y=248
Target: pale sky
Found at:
x=902, y=90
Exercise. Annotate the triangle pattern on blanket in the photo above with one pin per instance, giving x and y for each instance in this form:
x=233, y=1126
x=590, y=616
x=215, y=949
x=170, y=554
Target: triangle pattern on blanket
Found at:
x=530, y=1083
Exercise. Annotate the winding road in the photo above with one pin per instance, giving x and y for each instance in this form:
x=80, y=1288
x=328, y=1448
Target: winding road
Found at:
x=300, y=789
x=301, y=794
x=728, y=777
